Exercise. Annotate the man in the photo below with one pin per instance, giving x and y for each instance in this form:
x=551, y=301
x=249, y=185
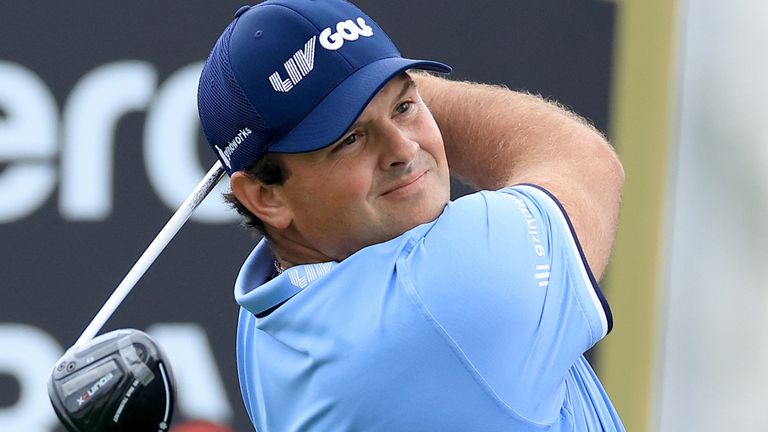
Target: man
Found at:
x=374, y=303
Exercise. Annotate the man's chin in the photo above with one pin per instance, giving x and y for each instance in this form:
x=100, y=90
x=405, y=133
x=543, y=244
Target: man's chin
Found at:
x=426, y=216
x=397, y=227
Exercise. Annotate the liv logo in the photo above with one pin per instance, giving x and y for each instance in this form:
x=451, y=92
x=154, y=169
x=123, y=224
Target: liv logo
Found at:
x=345, y=30
x=303, y=61
x=302, y=276
x=298, y=66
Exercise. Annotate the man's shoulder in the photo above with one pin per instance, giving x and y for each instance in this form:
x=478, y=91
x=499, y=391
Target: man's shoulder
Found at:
x=472, y=214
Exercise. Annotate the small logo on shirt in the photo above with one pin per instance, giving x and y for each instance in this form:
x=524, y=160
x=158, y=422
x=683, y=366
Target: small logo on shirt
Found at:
x=533, y=230
x=304, y=275
x=542, y=275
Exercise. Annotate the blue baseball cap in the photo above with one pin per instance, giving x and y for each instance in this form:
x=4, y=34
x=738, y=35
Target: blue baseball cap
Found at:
x=292, y=76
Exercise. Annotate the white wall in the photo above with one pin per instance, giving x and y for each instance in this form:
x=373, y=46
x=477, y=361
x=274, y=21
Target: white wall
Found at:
x=715, y=348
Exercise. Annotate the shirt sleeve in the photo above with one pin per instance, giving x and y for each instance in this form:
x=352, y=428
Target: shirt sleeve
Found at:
x=502, y=276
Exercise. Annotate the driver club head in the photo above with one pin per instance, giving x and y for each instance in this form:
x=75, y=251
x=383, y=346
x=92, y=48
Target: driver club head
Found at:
x=119, y=381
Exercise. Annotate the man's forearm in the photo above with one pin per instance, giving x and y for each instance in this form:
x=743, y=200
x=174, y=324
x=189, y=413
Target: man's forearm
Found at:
x=495, y=137
x=492, y=133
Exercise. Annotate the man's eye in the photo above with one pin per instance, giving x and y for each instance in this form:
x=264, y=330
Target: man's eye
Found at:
x=349, y=140
x=345, y=142
x=403, y=107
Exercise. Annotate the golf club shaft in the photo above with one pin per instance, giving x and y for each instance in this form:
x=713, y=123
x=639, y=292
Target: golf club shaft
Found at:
x=153, y=251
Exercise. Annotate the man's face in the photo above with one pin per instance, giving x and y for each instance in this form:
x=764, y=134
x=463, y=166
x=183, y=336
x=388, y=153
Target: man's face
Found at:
x=386, y=175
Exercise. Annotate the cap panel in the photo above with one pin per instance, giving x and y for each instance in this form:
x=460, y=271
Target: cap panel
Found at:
x=226, y=113
x=284, y=73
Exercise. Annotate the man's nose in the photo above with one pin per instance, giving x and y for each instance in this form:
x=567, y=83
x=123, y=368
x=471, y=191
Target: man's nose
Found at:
x=400, y=149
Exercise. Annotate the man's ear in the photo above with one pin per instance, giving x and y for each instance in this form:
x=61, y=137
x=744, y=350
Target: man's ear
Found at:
x=264, y=201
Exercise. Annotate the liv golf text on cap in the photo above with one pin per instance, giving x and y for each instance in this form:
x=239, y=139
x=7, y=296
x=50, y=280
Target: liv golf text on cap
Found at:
x=292, y=76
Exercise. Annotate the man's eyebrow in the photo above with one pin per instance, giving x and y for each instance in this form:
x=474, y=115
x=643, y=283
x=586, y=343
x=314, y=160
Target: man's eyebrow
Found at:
x=408, y=84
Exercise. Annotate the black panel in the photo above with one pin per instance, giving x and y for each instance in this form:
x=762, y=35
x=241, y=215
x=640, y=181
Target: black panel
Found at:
x=55, y=274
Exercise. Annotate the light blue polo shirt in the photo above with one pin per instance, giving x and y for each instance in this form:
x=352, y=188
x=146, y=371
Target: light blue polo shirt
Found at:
x=477, y=321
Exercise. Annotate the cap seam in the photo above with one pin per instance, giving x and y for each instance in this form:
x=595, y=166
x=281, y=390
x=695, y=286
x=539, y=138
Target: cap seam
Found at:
x=317, y=29
x=235, y=70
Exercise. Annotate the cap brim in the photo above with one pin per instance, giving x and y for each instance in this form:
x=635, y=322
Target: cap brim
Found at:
x=338, y=111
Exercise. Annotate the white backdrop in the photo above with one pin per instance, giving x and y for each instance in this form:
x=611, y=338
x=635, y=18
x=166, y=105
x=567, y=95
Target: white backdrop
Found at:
x=715, y=347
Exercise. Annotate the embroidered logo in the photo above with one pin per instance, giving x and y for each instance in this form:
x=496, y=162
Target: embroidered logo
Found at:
x=303, y=61
x=302, y=276
x=232, y=145
x=298, y=66
x=345, y=30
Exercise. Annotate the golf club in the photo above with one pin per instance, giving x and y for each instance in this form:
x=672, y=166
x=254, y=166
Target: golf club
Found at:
x=121, y=381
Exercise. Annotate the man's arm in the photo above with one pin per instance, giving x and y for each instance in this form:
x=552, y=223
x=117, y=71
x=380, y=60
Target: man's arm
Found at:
x=495, y=137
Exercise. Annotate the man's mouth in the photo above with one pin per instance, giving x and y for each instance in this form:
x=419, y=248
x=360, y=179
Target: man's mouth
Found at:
x=406, y=184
